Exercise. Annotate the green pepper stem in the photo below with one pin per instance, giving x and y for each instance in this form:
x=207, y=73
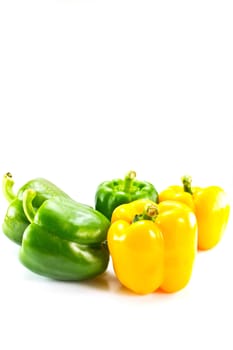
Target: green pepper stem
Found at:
x=7, y=187
x=187, y=183
x=150, y=213
x=28, y=208
x=128, y=180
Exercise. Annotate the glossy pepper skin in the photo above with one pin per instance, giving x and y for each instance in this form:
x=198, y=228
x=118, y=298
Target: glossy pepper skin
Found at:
x=66, y=240
x=210, y=205
x=111, y=194
x=153, y=246
x=15, y=221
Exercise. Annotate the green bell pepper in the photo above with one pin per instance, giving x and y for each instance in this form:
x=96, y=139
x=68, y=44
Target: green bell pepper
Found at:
x=66, y=240
x=15, y=221
x=111, y=194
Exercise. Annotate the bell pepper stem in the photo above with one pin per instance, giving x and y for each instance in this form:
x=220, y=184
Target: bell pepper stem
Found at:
x=187, y=183
x=7, y=187
x=28, y=208
x=150, y=213
x=128, y=180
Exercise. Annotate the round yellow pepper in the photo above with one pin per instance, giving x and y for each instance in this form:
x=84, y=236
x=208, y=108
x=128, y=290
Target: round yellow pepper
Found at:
x=153, y=246
x=210, y=206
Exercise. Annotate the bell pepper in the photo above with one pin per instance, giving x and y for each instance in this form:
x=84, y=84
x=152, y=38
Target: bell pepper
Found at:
x=153, y=246
x=110, y=194
x=210, y=205
x=15, y=221
x=65, y=240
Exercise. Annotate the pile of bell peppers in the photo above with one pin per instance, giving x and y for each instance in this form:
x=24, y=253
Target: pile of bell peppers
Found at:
x=152, y=237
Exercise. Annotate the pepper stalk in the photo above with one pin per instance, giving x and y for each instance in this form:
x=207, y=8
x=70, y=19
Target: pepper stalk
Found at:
x=7, y=187
x=187, y=183
x=150, y=213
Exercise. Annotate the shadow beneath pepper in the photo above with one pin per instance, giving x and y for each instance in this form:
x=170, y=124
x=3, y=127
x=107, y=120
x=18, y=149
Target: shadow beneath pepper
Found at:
x=101, y=282
x=108, y=282
x=123, y=291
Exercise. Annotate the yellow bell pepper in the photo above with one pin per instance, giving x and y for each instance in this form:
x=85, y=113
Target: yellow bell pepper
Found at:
x=153, y=246
x=210, y=206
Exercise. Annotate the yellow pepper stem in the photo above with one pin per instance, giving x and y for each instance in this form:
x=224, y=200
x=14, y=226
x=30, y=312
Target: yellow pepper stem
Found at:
x=150, y=213
x=187, y=183
x=128, y=180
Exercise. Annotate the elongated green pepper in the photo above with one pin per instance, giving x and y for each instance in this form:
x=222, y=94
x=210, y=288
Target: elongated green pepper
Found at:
x=15, y=221
x=111, y=194
x=66, y=240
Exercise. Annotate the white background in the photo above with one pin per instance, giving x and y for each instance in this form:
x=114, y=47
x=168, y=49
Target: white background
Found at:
x=89, y=90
